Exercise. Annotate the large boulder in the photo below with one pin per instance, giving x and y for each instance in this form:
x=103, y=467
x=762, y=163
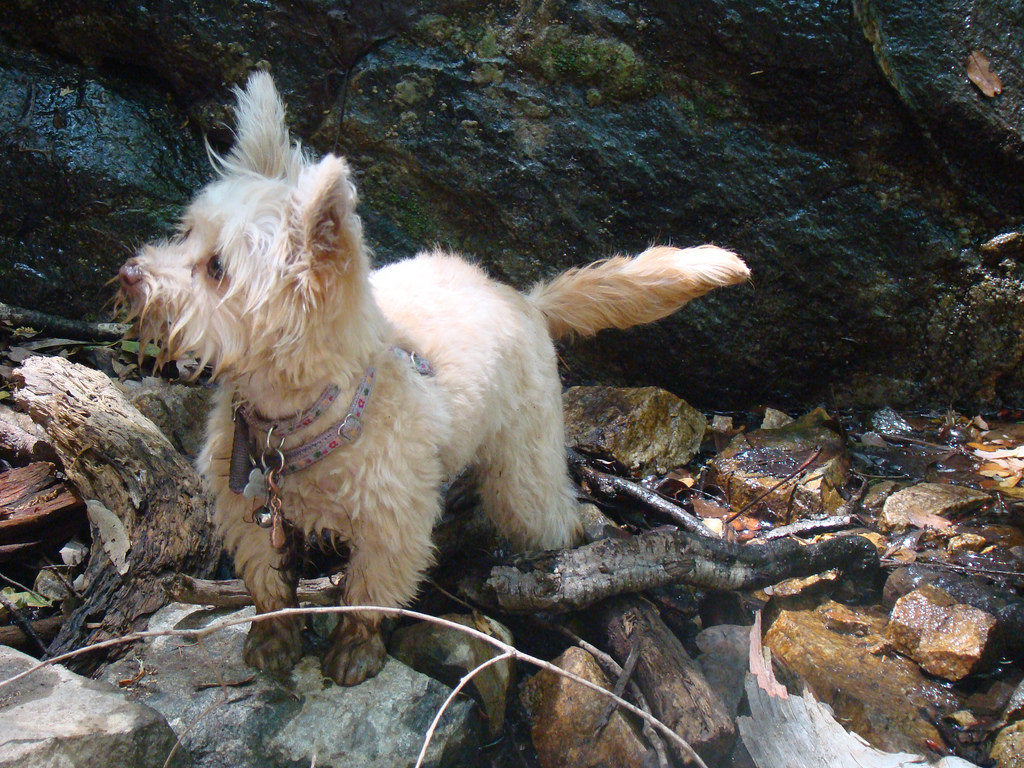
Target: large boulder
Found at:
x=846, y=156
x=54, y=717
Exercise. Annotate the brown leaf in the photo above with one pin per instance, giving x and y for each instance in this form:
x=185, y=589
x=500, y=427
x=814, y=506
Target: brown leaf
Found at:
x=981, y=75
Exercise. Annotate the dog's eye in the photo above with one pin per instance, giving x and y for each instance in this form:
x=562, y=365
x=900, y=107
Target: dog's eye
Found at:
x=214, y=268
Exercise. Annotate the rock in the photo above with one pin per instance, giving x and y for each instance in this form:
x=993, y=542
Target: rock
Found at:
x=1015, y=706
x=565, y=716
x=647, y=430
x=447, y=655
x=946, y=638
x=753, y=464
x=228, y=714
x=927, y=505
x=179, y=410
x=774, y=419
x=1008, y=748
x=55, y=717
x=882, y=697
x=83, y=197
x=724, y=658
x=922, y=49
x=966, y=542
x=772, y=128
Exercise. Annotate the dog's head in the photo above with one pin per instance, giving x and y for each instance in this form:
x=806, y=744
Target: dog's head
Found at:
x=268, y=260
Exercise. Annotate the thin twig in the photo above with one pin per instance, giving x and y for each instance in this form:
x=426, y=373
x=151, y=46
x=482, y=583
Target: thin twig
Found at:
x=196, y=634
x=620, y=684
x=770, y=491
x=451, y=697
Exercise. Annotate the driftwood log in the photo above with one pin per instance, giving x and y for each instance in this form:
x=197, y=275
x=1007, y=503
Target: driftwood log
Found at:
x=673, y=685
x=574, y=579
x=116, y=456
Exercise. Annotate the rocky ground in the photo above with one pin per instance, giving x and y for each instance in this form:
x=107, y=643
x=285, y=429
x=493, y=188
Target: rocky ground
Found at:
x=919, y=658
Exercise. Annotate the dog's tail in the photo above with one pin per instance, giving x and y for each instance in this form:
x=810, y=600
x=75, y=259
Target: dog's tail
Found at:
x=622, y=292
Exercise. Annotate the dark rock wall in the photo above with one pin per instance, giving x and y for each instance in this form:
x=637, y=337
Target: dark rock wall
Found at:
x=838, y=145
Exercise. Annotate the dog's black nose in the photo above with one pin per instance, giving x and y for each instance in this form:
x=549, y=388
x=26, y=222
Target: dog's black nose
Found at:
x=130, y=274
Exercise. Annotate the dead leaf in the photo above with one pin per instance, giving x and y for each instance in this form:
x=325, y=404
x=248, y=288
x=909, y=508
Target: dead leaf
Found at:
x=705, y=508
x=981, y=75
x=111, y=532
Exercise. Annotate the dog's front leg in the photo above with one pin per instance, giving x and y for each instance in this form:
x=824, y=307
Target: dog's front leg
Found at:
x=273, y=645
x=385, y=570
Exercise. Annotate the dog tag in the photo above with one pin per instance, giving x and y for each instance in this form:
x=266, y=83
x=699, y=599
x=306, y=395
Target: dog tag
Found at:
x=256, y=487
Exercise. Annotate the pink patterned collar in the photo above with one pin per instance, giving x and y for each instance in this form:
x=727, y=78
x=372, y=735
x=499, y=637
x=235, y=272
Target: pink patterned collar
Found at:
x=346, y=430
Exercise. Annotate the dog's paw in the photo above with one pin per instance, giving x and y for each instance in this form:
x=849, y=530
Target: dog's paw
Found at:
x=355, y=656
x=273, y=645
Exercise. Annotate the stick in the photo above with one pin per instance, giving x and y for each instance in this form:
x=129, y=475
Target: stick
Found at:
x=611, y=487
x=62, y=326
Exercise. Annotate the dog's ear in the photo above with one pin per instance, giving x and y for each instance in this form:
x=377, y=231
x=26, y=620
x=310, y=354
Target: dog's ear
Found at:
x=261, y=134
x=325, y=227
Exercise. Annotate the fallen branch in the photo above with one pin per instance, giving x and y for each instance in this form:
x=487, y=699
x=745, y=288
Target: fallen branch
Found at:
x=573, y=579
x=44, y=629
x=611, y=487
x=231, y=593
x=61, y=326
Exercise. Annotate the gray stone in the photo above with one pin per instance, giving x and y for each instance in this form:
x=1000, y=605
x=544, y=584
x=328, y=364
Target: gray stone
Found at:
x=647, y=430
x=724, y=659
x=54, y=717
x=557, y=133
x=448, y=654
x=230, y=715
x=179, y=410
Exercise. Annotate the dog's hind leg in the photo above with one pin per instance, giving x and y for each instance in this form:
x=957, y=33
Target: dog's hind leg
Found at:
x=524, y=484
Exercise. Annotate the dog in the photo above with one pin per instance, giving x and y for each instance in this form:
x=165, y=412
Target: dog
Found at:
x=348, y=396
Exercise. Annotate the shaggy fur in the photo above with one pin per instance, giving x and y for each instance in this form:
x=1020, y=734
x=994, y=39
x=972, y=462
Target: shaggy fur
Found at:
x=269, y=282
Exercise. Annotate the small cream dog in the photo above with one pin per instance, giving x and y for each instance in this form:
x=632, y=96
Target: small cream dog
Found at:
x=347, y=396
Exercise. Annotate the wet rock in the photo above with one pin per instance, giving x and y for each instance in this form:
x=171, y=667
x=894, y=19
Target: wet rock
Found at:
x=647, y=430
x=724, y=658
x=550, y=139
x=882, y=697
x=1008, y=748
x=447, y=655
x=228, y=714
x=774, y=419
x=927, y=505
x=966, y=542
x=1015, y=706
x=922, y=49
x=84, y=198
x=179, y=410
x=754, y=464
x=55, y=717
x=565, y=717
x=946, y=638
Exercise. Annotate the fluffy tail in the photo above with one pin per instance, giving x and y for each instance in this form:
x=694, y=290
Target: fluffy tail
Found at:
x=622, y=292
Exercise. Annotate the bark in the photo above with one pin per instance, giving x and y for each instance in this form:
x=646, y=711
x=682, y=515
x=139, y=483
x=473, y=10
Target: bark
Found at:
x=17, y=445
x=115, y=455
x=573, y=579
x=672, y=683
x=36, y=510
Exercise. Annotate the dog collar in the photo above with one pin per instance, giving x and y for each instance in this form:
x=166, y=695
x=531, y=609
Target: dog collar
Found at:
x=346, y=430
